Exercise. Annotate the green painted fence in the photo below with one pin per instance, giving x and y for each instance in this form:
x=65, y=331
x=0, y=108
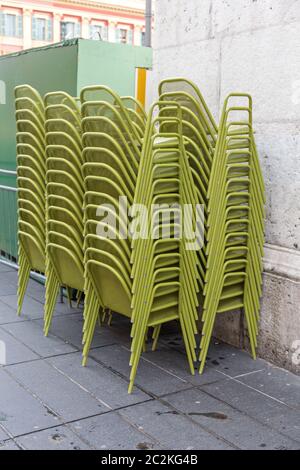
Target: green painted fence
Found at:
x=66, y=66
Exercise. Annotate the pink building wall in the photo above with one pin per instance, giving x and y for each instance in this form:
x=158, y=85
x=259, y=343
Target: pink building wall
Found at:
x=26, y=24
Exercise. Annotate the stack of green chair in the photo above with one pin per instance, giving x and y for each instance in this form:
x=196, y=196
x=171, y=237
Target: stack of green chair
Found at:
x=103, y=194
x=65, y=194
x=165, y=272
x=200, y=136
x=111, y=155
x=235, y=224
x=31, y=170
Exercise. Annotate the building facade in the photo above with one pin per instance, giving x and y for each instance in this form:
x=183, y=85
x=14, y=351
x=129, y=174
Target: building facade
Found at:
x=35, y=23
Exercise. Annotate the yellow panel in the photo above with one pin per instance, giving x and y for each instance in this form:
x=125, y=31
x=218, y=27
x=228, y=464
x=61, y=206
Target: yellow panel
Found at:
x=141, y=86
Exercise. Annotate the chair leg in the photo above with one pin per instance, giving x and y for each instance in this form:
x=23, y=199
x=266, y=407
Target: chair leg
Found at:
x=69, y=294
x=52, y=290
x=23, y=278
x=155, y=336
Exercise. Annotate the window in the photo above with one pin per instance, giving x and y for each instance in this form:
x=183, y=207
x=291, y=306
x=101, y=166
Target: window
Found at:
x=98, y=31
x=124, y=36
x=70, y=30
x=143, y=37
x=11, y=25
x=42, y=29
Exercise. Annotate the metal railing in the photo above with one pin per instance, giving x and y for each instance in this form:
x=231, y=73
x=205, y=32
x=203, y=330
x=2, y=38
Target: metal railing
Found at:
x=8, y=219
x=9, y=226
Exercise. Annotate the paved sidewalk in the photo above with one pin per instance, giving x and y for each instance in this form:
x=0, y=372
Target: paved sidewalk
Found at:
x=48, y=401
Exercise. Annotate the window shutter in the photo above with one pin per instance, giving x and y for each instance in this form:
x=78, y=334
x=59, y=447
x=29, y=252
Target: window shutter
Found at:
x=62, y=30
x=130, y=36
x=78, y=30
x=49, y=30
x=104, y=33
x=19, y=26
x=117, y=35
x=2, y=24
x=33, y=25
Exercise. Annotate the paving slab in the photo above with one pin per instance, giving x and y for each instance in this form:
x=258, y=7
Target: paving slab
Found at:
x=232, y=425
x=150, y=377
x=176, y=363
x=119, y=330
x=32, y=333
x=7, y=287
x=64, y=307
x=111, y=431
x=66, y=398
x=36, y=290
x=69, y=328
x=106, y=386
x=172, y=430
x=49, y=401
x=232, y=361
x=260, y=406
x=5, y=268
x=59, y=438
x=10, y=277
x=20, y=412
x=16, y=352
x=3, y=435
x=221, y=357
x=8, y=314
x=277, y=383
x=34, y=308
x=171, y=338
x=9, y=445
x=8, y=283
x=31, y=308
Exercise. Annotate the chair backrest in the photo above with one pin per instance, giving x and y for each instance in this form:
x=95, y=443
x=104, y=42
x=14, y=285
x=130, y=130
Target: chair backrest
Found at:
x=110, y=287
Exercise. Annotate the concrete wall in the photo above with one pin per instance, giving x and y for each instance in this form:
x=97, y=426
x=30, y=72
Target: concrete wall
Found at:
x=252, y=46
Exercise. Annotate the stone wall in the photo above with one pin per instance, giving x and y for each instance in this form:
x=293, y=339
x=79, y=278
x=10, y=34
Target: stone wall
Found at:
x=251, y=46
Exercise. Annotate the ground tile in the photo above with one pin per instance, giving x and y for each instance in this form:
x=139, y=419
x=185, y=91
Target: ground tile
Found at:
x=176, y=363
x=108, y=387
x=8, y=445
x=8, y=314
x=164, y=425
x=32, y=333
x=233, y=426
x=278, y=383
x=111, y=431
x=59, y=438
x=257, y=405
x=69, y=328
x=31, y=309
x=20, y=412
x=151, y=378
x=3, y=435
x=58, y=392
x=5, y=268
x=232, y=361
x=15, y=351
